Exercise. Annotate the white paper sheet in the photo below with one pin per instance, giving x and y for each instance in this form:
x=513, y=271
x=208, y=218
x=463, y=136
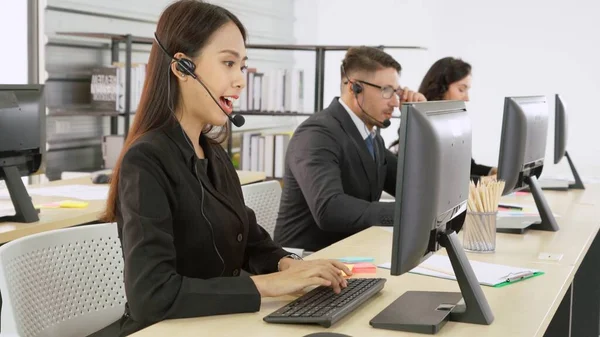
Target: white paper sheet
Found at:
x=487, y=273
x=7, y=209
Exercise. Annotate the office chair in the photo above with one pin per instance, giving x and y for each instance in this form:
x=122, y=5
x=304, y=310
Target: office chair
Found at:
x=263, y=198
x=65, y=282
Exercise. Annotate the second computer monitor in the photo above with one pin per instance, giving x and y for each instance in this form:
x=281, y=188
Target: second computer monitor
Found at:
x=523, y=142
x=522, y=155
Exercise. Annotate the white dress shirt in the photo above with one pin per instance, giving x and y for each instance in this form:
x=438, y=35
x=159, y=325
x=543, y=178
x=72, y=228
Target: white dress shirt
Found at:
x=360, y=125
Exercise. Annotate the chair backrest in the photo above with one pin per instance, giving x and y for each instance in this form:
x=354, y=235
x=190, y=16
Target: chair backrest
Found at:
x=263, y=198
x=65, y=282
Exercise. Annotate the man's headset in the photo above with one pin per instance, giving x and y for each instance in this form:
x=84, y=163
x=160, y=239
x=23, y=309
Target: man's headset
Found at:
x=357, y=88
x=188, y=67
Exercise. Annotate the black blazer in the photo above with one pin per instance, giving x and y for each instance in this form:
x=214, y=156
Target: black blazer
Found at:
x=479, y=170
x=173, y=267
x=331, y=183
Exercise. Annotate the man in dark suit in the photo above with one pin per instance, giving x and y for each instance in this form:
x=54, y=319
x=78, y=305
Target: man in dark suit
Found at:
x=336, y=165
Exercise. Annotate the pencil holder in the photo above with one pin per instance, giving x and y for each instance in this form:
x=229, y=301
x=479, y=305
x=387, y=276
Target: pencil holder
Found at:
x=479, y=232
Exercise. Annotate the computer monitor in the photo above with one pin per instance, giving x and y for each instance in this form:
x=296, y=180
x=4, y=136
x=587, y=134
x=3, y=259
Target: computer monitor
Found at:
x=432, y=189
x=22, y=111
x=521, y=158
x=560, y=140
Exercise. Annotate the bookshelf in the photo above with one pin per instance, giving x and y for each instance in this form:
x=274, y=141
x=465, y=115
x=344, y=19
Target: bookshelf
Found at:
x=128, y=40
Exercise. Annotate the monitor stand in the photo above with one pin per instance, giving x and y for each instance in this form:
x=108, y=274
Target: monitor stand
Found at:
x=25, y=212
x=518, y=225
x=428, y=311
x=563, y=184
x=554, y=184
x=578, y=185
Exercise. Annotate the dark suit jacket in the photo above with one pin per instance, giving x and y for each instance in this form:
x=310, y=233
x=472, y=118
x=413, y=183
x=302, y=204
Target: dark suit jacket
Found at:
x=331, y=183
x=173, y=268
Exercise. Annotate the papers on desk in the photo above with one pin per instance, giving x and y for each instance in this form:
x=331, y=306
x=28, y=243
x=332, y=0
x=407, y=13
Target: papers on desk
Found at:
x=488, y=274
x=526, y=211
x=7, y=209
x=81, y=192
x=508, y=210
x=519, y=193
x=569, y=178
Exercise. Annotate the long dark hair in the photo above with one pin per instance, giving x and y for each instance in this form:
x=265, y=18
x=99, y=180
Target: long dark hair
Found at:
x=438, y=78
x=185, y=26
x=441, y=74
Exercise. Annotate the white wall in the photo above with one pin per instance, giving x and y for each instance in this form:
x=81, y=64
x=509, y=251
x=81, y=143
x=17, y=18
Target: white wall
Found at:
x=13, y=34
x=350, y=22
x=515, y=48
x=13, y=57
x=522, y=48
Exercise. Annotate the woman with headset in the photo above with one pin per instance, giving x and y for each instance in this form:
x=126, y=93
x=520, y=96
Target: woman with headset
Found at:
x=450, y=79
x=185, y=232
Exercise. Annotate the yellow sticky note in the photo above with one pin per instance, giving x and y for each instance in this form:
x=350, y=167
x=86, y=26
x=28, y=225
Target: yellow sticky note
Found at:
x=350, y=266
x=73, y=204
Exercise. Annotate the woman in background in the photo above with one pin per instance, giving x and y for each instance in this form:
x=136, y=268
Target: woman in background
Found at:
x=450, y=79
x=185, y=231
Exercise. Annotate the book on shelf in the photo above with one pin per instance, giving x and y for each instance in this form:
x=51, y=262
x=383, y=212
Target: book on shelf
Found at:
x=264, y=152
x=272, y=90
x=138, y=76
x=107, y=87
x=103, y=88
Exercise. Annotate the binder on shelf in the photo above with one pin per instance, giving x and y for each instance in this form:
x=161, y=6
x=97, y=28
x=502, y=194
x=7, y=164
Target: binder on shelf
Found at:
x=264, y=152
x=281, y=144
x=103, y=88
x=275, y=86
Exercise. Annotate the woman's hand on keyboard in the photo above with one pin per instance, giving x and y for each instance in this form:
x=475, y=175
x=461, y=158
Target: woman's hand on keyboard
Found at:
x=298, y=275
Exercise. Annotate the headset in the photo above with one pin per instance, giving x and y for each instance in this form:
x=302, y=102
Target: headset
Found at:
x=357, y=88
x=186, y=66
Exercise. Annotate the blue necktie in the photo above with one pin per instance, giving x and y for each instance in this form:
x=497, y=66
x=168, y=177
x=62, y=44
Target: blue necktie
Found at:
x=369, y=141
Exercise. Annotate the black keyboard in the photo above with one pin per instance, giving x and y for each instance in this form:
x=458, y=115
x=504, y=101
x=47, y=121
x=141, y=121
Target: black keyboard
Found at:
x=323, y=306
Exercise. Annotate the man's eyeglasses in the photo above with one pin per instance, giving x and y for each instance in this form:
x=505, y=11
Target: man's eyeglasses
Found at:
x=386, y=91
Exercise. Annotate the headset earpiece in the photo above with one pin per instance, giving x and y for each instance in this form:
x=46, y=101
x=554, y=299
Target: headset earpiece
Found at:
x=356, y=88
x=186, y=66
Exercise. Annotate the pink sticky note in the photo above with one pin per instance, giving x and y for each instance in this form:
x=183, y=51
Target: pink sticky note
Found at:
x=364, y=268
